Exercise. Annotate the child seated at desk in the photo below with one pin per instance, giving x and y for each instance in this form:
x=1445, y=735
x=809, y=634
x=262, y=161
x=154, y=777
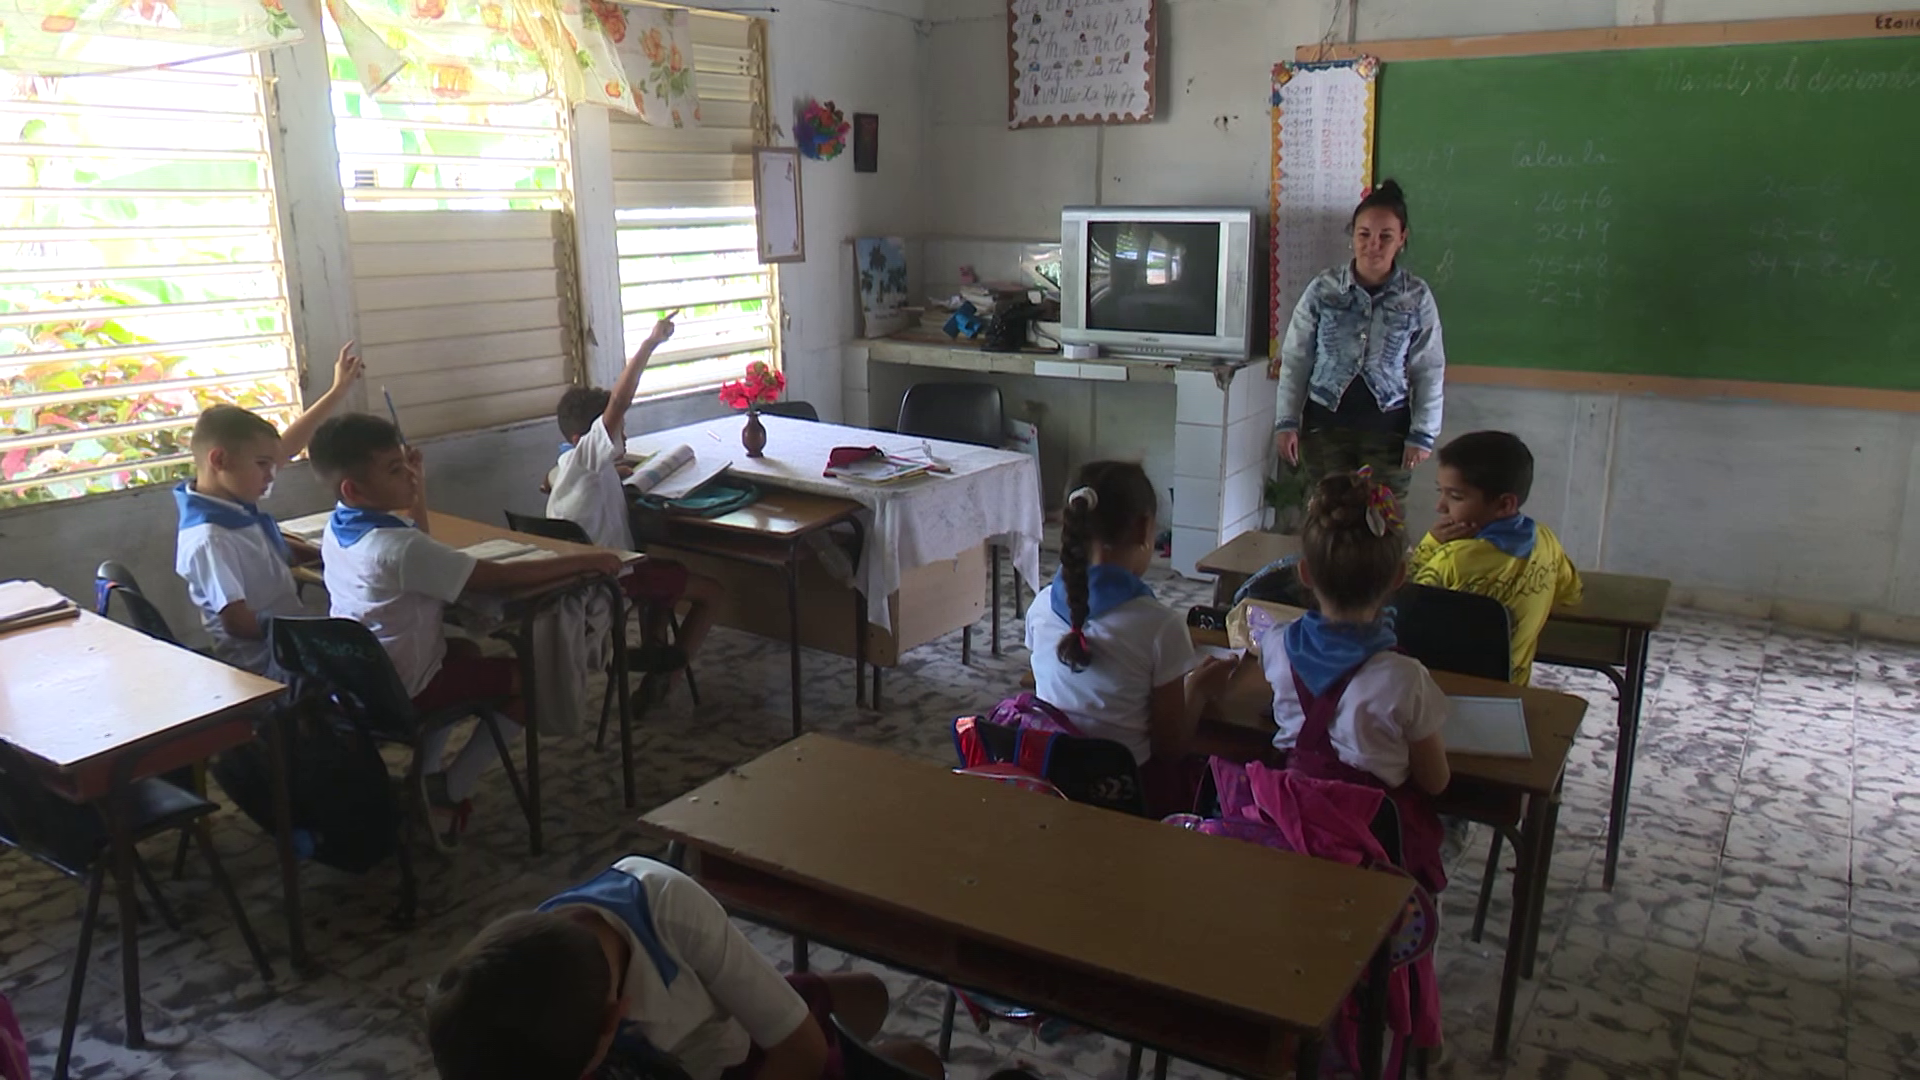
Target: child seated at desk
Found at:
x=586, y=490
x=1348, y=706
x=231, y=553
x=642, y=961
x=390, y=574
x=1484, y=544
x=1116, y=661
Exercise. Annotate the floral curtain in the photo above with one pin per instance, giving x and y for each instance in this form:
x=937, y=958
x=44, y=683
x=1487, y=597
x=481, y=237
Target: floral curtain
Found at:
x=578, y=51
x=82, y=37
x=427, y=51
x=655, y=46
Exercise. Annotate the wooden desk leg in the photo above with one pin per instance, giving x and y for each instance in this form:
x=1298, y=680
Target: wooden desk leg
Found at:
x=120, y=842
x=529, y=716
x=279, y=738
x=1545, y=867
x=1306, y=1057
x=626, y=696
x=1526, y=862
x=859, y=618
x=995, y=594
x=1373, y=1014
x=1627, y=744
x=793, y=628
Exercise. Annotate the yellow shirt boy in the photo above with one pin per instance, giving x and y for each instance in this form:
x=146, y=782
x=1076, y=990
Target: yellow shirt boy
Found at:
x=1484, y=544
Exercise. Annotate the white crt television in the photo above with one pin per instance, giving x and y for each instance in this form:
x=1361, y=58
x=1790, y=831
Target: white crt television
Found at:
x=1158, y=280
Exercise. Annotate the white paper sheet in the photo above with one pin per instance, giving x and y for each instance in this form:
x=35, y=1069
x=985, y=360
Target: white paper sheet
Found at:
x=1493, y=726
x=1323, y=163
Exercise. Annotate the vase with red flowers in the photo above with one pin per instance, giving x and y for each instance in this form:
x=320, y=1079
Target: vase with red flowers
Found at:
x=761, y=385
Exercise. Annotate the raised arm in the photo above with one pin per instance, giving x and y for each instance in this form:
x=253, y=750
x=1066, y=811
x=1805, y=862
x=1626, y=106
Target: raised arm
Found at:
x=346, y=372
x=615, y=418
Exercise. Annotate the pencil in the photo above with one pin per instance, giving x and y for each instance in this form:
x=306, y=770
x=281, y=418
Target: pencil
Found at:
x=393, y=413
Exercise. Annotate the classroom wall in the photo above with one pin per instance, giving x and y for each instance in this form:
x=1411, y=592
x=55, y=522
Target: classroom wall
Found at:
x=862, y=55
x=1810, y=514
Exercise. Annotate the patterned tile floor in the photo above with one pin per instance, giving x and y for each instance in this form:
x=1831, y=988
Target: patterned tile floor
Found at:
x=1764, y=923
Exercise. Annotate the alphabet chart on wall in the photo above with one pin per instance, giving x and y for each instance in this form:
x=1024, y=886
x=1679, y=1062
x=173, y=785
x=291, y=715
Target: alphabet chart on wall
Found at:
x=1322, y=166
x=1081, y=61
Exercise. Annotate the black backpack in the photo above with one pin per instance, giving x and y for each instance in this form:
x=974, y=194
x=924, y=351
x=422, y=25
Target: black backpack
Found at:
x=345, y=814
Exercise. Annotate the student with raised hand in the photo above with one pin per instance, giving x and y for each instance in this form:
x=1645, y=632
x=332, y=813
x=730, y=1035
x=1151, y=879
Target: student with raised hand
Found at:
x=1362, y=369
x=1484, y=544
x=231, y=553
x=385, y=570
x=1348, y=706
x=1120, y=664
x=586, y=490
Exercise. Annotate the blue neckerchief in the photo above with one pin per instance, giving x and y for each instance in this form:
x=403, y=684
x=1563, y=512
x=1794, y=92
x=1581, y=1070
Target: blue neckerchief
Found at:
x=198, y=509
x=1108, y=587
x=350, y=523
x=1320, y=650
x=565, y=446
x=1512, y=535
x=621, y=895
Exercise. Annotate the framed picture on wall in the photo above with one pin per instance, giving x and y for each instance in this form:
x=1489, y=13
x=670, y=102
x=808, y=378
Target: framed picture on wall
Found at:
x=866, y=142
x=778, y=211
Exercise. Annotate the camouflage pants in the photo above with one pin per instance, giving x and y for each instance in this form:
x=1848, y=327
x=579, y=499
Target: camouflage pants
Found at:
x=1330, y=450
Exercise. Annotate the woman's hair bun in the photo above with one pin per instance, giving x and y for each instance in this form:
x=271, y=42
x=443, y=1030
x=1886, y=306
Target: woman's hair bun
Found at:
x=1388, y=190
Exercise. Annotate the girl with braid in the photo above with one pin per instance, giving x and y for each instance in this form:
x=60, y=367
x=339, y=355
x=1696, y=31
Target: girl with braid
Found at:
x=1116, y=661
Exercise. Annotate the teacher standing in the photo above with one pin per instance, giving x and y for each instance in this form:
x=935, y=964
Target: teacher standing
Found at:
x=1361, y=367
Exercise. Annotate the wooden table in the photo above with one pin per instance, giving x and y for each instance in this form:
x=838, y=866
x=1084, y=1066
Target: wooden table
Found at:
x=1502, y=792
x=522, y=608
x=1224, y=953
x=97, y=706
x=1609, y=631
x=768, y=534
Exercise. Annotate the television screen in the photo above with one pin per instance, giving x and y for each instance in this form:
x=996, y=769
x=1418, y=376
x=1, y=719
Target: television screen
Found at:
x=1153, y=277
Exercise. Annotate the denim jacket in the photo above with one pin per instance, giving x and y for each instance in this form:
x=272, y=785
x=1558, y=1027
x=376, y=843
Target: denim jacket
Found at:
x=1392, y=342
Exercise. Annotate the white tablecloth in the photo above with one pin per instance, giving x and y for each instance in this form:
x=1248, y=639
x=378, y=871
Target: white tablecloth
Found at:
x=990, y=494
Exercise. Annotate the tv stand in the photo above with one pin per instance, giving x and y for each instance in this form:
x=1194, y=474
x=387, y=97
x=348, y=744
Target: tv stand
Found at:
x=1219, y=416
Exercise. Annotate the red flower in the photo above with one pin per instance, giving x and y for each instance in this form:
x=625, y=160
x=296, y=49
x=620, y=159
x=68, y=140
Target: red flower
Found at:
x=761, y=385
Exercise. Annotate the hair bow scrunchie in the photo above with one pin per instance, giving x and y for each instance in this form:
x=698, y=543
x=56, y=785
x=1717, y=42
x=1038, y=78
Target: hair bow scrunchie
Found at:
x=1383, y=510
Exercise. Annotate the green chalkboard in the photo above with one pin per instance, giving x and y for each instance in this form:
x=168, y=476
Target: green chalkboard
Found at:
x=1742, y=212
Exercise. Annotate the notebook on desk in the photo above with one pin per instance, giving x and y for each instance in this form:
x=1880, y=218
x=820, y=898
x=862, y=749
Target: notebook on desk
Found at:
x=29, y=603
x=1489, y=726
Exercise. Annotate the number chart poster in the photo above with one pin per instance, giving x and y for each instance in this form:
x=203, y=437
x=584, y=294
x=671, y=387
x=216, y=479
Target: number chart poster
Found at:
x=1081, y=62
x=1322, y=166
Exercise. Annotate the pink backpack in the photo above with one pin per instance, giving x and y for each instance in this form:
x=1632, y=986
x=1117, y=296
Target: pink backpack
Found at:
x=1030, y=713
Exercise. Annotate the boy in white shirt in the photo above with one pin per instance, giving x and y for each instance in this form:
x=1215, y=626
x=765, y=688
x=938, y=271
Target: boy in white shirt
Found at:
x=586, y=490
x=642, y=956
x=387, y=572
x=231, y=553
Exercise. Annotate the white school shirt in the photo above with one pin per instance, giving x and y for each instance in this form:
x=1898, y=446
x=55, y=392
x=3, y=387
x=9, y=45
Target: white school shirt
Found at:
x=224, y=566
x=1137, y=646
x=587, y=489
x=1390, y=704
x=398, y=583
x=725, y=998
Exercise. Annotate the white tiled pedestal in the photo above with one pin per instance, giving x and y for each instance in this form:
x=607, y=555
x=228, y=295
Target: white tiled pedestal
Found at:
x=1220, y=454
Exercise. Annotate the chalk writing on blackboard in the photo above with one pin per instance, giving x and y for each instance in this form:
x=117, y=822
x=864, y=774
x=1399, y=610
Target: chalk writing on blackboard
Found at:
x=1080, y=61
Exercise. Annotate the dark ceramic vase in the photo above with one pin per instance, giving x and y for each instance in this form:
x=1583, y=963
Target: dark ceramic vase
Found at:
x=754, y=435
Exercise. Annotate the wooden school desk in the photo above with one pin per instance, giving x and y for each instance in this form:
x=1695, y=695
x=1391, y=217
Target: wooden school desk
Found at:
x=521, y=609
x=927, y=537
x=1220, y=952
x=1609, y=631
x=1501, y=792
x=771, y=535
x=97, y=706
